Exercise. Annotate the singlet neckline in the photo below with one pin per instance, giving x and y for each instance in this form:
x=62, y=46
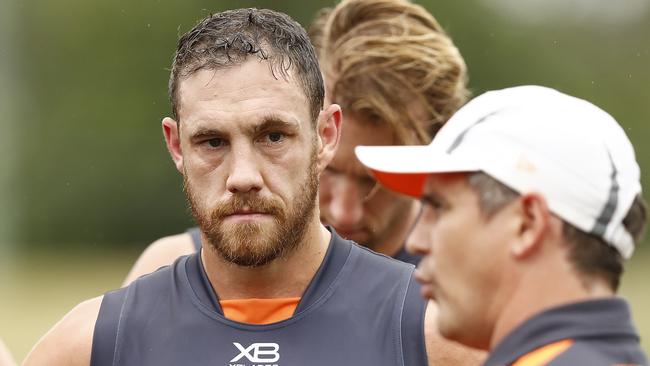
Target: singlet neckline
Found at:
x=259, y=311
x=337, y=255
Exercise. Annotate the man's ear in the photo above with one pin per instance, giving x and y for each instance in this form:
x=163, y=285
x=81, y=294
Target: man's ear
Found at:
x=534, y=221
x=329, y=134
x=173, y=141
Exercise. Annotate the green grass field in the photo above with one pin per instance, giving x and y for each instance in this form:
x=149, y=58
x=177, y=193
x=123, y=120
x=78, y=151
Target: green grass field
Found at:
x=38, y=290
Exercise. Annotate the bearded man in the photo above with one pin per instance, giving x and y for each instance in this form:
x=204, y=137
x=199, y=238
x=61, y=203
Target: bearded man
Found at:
x=273, y=286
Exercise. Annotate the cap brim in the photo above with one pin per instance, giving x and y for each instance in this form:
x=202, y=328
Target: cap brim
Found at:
x=404, y=169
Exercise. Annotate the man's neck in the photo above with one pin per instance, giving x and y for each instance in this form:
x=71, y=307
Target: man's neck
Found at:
x=283, y=277
x=541, y=290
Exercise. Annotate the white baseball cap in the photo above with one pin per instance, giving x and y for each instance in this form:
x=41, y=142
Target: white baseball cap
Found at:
x=532, y=139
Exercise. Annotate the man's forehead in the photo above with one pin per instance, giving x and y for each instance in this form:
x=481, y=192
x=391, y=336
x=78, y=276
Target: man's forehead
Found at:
x=252, y=74
x=247, y=87
x=250, y=123
x=445, y=183
x=349, y=165
x=358, y=131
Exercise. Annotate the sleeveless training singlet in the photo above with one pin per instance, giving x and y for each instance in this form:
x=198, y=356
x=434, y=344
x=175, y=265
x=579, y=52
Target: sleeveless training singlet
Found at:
x=361, y=308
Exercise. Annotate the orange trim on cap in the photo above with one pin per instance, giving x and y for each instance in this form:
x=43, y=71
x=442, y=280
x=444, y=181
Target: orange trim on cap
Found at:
x=259, y=311
x=410, y=184
x=544, y=355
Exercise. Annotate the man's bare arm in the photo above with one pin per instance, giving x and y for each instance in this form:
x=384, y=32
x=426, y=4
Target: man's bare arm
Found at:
x=69, y=342
x=5, y=356
x=442, y=352
x=161, y=252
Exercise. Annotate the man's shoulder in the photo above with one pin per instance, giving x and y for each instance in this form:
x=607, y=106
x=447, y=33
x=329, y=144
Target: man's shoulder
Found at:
x=384, y=277
x=69, y=342
x=382, y=259
x=160, y=253
x=6, y=359
x=587, y=332
x=157, y=280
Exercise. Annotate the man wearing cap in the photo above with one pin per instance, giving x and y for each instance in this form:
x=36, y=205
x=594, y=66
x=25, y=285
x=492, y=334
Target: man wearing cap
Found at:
x=533, y=201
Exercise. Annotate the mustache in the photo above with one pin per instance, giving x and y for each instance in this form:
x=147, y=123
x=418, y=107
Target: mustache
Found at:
x=247, y=202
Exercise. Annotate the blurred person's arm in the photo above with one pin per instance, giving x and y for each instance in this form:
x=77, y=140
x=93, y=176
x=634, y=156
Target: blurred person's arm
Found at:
x=69, y=342
x=161, y=252
x=442, y=352
x=5, y=356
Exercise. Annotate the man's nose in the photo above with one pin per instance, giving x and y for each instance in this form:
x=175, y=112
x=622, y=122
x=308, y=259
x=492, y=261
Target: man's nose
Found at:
x=419, y=240
x=345, y=205
x=245, y=175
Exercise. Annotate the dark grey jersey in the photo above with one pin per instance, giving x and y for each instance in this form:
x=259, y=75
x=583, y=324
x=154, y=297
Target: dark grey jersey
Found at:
x=401, y=255
x=359, y=309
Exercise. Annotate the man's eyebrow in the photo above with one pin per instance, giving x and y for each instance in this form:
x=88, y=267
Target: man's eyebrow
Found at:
x=202, y=132
x=268, y=122
x=272, y=121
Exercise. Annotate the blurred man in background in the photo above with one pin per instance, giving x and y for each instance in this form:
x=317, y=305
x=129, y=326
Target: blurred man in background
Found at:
x=532, y=199
x=250, y=136
x=398, y=77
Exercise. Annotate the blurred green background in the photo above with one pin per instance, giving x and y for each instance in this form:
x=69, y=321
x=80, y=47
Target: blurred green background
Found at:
x=85, y=179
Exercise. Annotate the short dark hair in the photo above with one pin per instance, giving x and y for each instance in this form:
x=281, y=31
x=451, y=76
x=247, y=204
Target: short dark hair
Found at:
x=228, y=38
x=588, y=253
x=592, y=256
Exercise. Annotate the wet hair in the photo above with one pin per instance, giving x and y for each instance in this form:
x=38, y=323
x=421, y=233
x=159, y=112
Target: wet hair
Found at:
x=229, y=38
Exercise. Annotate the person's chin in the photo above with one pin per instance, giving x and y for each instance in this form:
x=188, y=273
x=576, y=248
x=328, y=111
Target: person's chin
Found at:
x=357, y=236
x=446, y=326
x=427, y=292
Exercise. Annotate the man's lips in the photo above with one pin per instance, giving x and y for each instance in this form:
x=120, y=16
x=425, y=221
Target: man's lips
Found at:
x=427, y=292
x=246, y=215
x=427, y=289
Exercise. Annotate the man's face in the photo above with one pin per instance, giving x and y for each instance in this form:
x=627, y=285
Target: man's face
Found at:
x=464, y=255
x=248, y=160
x=351, y=200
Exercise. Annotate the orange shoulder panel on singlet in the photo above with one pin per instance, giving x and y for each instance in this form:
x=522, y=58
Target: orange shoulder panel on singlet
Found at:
x=259, y=311
x=544, y=355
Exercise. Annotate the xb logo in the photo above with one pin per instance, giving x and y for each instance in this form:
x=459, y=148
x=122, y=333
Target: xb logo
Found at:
x=258, y=352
